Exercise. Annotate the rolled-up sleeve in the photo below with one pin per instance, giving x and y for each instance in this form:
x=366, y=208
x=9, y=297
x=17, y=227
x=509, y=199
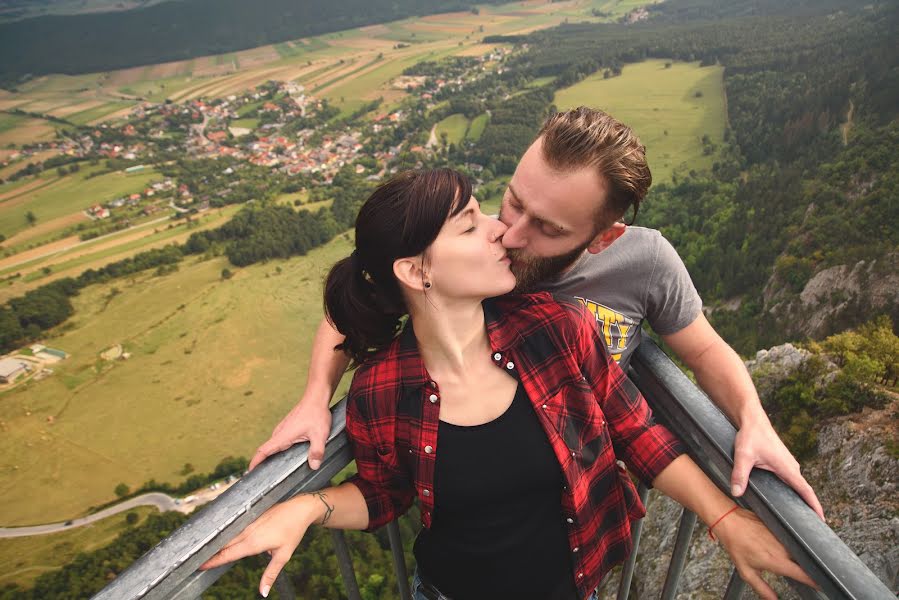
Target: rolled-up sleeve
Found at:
x=386, y=488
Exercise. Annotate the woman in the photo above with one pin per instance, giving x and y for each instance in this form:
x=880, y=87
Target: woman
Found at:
x=504, y=417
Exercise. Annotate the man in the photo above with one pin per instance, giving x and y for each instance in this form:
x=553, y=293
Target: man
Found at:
x=563, y=207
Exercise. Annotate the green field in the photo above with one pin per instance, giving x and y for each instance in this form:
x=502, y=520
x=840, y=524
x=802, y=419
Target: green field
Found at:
x=92, y=114
x=11, y=121
x=215, y=364
x=670, y=109
x=455, y=128
x=68, y=195
x=166, y=231
x=22, y=560
x=477, y=127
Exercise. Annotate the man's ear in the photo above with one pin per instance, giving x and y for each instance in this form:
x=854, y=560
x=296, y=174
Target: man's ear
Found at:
x=409, y=273
x=605, y=238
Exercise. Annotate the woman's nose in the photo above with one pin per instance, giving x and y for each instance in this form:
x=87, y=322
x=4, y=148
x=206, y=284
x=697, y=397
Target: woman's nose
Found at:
x=498, y=230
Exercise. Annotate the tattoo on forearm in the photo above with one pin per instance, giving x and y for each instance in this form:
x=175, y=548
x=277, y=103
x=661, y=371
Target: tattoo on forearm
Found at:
x=329, y=508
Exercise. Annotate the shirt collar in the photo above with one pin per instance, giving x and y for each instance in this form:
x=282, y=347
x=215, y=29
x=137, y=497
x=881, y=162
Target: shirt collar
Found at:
x=502, y=338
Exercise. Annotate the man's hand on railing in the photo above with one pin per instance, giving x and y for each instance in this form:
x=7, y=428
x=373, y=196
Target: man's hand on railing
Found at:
x=757, y=445
x=308, y=421
x=753, y=549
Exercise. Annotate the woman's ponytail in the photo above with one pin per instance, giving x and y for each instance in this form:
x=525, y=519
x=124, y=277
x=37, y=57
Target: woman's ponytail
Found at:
x=356, y=309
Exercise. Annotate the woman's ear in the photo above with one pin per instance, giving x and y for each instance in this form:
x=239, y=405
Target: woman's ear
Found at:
x=408, y=271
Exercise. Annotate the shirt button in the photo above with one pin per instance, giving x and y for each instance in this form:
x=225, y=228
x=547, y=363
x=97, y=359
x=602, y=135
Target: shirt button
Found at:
x=569, y=520
x=428, y=449
x=544, y=407
x=497, y=356
x=575, y=549
x=432, y=398
x=510, y=365
x=574, y=454
x=426, y=493
x=433, y=384
x=580, y=575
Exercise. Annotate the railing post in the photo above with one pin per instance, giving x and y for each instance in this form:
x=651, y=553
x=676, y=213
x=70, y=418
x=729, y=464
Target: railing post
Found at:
x=345, y=562
x=399, y=560
x=735, y=587
x=284, y=587
x=679, y=554
x=627, y=571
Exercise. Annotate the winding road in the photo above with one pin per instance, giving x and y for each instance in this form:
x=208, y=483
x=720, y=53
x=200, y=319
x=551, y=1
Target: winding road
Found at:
x=161, y=501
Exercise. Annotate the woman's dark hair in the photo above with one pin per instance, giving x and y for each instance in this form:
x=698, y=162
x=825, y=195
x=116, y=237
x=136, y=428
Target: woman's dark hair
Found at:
x=401, y=218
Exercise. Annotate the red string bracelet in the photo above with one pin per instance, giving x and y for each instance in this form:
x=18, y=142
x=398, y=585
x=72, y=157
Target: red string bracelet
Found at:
x=721, y=518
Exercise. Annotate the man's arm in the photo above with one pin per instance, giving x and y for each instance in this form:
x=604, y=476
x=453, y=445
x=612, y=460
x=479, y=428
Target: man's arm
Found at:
x=722, y=374
x=310, y=420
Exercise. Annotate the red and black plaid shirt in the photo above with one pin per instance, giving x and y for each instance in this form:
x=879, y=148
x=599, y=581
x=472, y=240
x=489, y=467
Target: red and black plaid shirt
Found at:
x=591, y=413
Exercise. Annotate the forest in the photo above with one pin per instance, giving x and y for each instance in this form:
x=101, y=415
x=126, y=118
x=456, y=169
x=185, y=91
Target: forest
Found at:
x=178, y=30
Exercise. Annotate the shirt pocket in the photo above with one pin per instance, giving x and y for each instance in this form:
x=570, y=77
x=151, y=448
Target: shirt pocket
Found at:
x=582, y=425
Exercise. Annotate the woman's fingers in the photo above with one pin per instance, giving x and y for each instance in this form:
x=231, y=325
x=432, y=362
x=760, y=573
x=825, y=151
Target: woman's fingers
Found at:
x=235, y=550
x=279, y=559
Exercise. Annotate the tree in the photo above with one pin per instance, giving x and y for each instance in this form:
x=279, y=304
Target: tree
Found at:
x=227, y=274
x=131, y=518
x=122, y=490
x=31, y=218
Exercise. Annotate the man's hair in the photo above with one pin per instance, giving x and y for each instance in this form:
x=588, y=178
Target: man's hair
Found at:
x=585, y=137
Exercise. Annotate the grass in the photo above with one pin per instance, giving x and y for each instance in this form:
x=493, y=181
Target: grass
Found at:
x=164, y=233
x=70, y=194
x=10, y=121
x=92, y=114
x=215, y=365
x=477, y=127
x=22, y=560
x=454, y=126
x=669, y=108
x=247, y=123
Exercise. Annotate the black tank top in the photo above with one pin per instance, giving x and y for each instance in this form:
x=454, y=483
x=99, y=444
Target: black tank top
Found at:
x=497, y=528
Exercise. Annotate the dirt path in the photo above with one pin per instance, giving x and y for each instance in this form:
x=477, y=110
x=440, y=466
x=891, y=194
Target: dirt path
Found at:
x=845, y=127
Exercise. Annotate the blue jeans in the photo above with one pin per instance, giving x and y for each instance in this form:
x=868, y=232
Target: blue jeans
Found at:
x=418, y=595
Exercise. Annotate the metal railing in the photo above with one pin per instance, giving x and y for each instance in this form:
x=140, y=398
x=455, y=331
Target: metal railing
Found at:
x=169, y=570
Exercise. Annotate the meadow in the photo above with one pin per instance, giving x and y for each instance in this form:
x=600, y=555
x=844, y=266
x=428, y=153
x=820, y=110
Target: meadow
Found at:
x=214, y=365
x=671, y=109
x=24, y=559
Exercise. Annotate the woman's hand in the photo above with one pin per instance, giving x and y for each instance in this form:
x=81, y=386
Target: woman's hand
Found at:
x=278, y=531
x=754, y=549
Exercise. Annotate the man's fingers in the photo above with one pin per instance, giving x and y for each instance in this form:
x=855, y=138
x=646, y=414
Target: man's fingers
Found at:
x=739, y=476
x=279, y=559
x=790, y=569
x=761, y=587
x=272, y=446
x=795, y=480
x=316, y=451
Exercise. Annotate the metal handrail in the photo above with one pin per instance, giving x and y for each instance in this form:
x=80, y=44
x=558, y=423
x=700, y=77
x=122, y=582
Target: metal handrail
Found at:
x=709, y=436
x=169, y=570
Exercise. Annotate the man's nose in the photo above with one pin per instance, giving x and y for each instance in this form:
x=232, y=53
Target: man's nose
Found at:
x=514, y=236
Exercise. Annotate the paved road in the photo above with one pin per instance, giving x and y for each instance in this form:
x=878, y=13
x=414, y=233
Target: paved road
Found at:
x=161, y=501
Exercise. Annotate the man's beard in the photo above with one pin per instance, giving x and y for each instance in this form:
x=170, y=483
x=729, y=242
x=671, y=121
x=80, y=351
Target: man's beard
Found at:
x=532, y=270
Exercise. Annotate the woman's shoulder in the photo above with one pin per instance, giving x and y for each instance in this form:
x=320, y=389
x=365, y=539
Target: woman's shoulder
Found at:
x=542, y=309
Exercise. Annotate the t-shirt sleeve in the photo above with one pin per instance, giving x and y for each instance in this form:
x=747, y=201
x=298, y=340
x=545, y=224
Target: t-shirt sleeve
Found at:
x=672, y=301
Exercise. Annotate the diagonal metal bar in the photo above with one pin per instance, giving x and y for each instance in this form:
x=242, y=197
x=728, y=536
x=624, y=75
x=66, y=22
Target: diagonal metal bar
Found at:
x=627, y=572
x=679, y=554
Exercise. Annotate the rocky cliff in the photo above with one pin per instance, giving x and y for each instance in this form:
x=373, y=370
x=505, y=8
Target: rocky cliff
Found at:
x=855, y=474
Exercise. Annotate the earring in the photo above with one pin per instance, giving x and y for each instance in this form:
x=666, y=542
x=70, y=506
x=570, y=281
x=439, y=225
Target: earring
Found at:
x=427, y=285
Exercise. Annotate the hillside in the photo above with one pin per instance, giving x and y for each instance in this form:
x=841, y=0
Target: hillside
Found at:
x=178, y=30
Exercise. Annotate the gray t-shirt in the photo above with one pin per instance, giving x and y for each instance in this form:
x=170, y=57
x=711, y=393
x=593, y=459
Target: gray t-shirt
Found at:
x=640, y=276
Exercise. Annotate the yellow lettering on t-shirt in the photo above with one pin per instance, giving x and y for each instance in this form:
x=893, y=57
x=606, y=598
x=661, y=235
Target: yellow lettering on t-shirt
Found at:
x=613, y=325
